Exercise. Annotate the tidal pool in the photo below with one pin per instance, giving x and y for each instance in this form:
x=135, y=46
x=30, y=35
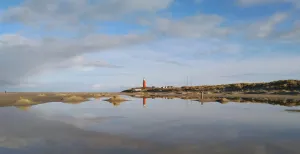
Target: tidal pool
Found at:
x=149, y=126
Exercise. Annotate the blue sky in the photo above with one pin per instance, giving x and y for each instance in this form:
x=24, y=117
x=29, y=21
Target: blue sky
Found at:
x=84, y=45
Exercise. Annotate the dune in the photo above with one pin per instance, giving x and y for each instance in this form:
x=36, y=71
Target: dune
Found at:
x=116, y=99
x=74, y=99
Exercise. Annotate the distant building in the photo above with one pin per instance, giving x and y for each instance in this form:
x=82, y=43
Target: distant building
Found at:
x=166, y=87
x=137, y=89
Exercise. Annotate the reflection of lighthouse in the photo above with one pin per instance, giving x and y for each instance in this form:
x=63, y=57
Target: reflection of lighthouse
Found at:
x=144, y=84
x=144, y=101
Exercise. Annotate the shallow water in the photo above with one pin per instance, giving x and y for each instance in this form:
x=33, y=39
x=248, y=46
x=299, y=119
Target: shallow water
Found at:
x=153, y=126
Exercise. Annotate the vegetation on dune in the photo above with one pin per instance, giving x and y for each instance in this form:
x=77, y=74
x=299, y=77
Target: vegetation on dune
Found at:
x=74, y=98
x=41, y=95
x=97, y=95
x=116, y=99
x=223, y=100
x=24, y=101
x=61, y=94
x=278, y=87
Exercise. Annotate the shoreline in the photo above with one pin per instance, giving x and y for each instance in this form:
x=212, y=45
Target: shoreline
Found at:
x=10, y=99
x=197, y=95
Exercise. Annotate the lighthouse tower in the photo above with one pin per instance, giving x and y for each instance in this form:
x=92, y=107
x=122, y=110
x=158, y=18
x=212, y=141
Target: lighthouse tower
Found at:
x=144, y=84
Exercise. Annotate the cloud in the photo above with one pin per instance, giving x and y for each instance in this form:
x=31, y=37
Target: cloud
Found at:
x=198, y=26
x=15, y=142
x=291, y=35
x=257, y=74
x=265, y=28
x=262, y=2
x=271, y=28
x=82, y=63
x=256, y=2
x=194, y=26
x=96, y=86
x=70, y=13
x=172, y=62
x=22, y=57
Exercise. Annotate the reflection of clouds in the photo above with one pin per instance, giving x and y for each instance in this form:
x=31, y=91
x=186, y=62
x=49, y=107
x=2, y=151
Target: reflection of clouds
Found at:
x=29, y=133
x=192, y=129
x=80, y=122
x=163, y=115
x=14, y=142
x=78, y=115
x=10, y=142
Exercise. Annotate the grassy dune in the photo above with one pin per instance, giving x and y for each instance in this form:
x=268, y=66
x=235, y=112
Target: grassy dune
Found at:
x=285, y=87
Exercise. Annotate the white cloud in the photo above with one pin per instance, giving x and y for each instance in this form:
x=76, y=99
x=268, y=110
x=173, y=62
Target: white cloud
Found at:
x=267, y=27
x=81, y=63
x=70, y=13
x=261, y=2
x=197, y=26
x=96, y=86
x=256, y=2
x=20, y=60
x=28, y=85
x=292, y=35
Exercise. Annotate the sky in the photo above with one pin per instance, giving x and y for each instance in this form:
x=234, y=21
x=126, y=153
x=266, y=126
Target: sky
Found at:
x=110, y=45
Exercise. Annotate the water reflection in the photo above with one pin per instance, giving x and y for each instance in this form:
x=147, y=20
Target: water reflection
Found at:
x=293, y=110
x=24, y=108
x=144, y=101
x=166, y=126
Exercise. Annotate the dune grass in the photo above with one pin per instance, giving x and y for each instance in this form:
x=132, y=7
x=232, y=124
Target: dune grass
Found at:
x=74, y=98
x=116, y=99
x=61, y=94
x=97, y=96
x=42, y=95
x=24, y=101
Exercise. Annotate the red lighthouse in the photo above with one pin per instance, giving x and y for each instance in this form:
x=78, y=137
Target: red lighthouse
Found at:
x=144, y=84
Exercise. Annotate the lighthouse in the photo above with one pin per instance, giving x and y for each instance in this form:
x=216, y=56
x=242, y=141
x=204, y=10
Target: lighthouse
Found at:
x=144, y=84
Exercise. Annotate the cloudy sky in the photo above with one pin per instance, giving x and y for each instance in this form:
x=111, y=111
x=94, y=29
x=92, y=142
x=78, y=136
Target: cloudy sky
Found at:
x=109, y=45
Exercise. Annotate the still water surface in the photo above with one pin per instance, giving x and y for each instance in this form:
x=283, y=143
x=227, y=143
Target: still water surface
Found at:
x=155, y=126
